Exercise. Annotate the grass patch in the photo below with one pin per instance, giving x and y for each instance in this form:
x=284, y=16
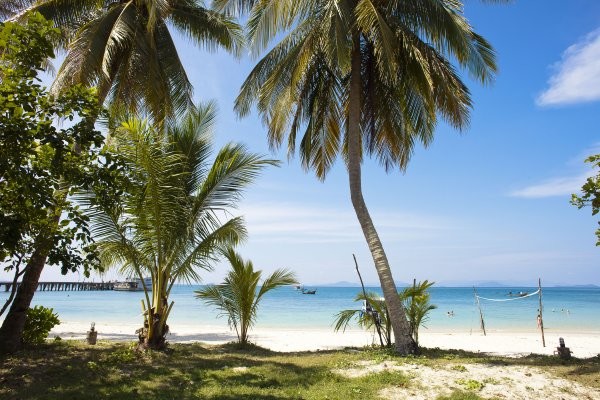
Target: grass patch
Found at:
x=69, y=369
x=470, y=384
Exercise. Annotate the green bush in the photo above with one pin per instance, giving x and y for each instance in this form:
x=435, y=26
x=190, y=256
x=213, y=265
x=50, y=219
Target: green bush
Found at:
x=40, y=320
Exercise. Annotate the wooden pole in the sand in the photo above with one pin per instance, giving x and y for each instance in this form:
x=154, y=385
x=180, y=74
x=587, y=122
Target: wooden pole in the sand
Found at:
x=375, y=321
x=540, y=314
x=480, y=312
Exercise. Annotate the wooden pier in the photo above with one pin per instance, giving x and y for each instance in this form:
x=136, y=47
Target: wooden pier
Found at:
x=64, y=286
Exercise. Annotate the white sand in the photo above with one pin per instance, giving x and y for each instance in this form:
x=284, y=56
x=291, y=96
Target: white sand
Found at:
x=582, y=344
x=495, y=381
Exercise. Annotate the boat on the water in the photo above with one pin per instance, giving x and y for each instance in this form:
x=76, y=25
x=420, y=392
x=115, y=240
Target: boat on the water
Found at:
x=306, y=291
x=133, y=285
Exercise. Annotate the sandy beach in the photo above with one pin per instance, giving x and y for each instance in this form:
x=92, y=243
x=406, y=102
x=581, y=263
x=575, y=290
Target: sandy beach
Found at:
x=582, y=344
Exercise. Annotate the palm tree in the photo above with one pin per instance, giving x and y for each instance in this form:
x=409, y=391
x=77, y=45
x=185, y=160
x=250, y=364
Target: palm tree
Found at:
x=373, y=316
x=169, y=223
x=416, y=301
x=125, y=49
x=239, y=295
x=361, y=78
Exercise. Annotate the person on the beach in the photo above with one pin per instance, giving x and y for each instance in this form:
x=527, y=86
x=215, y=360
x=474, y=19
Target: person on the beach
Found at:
x=539, y=321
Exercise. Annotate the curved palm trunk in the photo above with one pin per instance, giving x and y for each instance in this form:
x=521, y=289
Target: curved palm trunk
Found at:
x=403, y=341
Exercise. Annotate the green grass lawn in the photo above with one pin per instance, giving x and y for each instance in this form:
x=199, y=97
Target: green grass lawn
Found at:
x=73, y=370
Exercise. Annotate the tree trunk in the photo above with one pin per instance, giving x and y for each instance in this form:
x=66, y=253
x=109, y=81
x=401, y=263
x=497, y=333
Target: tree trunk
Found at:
x=156, y=338
x=11, y=332
x=403, y=342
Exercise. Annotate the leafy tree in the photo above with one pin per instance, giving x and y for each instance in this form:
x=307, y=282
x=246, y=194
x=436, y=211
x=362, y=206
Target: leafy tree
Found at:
x=39, y=167
x=239, y=295
x=361, y=78
x=416, y=301
x=590, y=193
x=169, y=222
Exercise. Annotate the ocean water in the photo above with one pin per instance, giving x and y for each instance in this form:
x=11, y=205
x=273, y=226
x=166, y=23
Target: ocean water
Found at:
x=564, y=309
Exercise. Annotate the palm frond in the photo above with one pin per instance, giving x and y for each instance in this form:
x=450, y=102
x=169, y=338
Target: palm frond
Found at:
x=83, y=63
x=280, y=277
x=208, y=28
x=234, y=7
x=232, y=171
x=344, y=318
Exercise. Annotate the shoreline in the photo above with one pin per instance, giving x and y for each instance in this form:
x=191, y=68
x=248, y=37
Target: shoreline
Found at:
x=506, y=343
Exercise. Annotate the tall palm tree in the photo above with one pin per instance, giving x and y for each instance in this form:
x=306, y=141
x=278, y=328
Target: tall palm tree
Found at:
x=169, y=224
x=125, y=49
x=239, y=295
x=361, y=78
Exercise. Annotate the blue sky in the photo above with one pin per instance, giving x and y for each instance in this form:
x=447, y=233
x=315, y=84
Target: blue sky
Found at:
x=490, y=203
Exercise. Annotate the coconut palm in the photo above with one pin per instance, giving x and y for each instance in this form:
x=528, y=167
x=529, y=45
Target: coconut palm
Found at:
x=170, y=223
x=416, y=301
x=374, y=313
x=240, y=293
x=361, y=78
x=126, y=50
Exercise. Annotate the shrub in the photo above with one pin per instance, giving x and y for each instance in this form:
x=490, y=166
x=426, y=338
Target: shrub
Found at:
x=470, y=384
x=38, y=323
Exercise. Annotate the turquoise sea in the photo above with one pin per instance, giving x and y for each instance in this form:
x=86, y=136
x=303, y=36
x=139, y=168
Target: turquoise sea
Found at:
x=565, y=309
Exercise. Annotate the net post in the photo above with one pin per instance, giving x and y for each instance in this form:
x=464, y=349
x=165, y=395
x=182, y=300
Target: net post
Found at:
x=480, y=312
x=541, y=314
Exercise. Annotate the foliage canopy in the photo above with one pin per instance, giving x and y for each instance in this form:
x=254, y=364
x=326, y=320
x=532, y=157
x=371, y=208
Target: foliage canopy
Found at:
x=40, y=165
x=126, y=48
x=590, y=196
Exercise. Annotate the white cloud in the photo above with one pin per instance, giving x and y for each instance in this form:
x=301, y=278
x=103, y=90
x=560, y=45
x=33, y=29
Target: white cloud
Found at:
x=563, y=186
x=579, y=159
x=308, y=224
x=577, y=76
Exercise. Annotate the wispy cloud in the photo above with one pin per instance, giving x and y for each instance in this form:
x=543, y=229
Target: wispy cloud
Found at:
x=577, y=76
x=563, y=186
x=309, y=224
